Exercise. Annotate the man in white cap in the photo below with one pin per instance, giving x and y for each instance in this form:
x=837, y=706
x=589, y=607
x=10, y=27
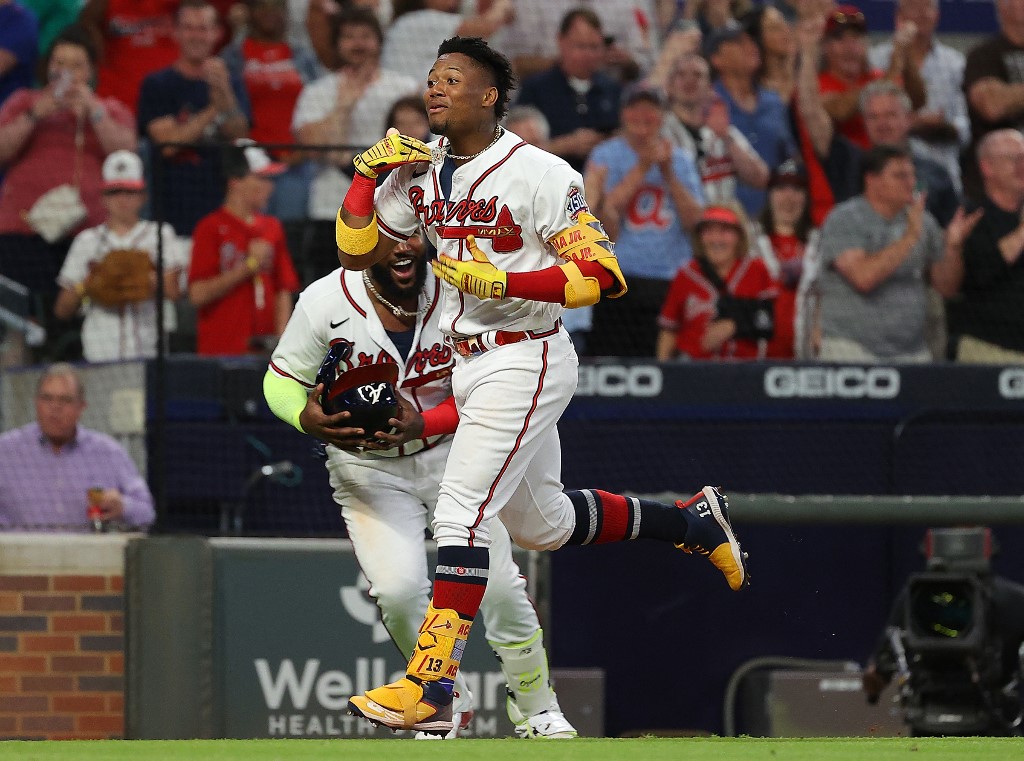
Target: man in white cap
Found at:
x=241, y=279
x=110, y=270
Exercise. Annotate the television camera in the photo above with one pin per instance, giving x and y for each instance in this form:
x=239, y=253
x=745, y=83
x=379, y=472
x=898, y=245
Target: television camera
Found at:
x=956, y=666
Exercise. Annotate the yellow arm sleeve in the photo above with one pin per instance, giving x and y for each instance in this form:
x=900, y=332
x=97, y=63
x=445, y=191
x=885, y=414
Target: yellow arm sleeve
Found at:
x=285, y=397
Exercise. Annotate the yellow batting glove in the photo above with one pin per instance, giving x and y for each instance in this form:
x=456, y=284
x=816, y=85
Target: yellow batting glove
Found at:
x=393, y=150
x=477, y=277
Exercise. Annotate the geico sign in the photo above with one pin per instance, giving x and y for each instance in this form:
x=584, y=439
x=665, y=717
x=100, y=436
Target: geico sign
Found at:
x=619, y=380
x=828, y=382
x=1011, y=383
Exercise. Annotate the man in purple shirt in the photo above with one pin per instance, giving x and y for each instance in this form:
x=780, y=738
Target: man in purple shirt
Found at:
x=48, y=467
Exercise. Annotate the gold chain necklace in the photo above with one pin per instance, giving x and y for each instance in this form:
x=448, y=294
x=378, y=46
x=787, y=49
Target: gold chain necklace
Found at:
x=438, y=155
x=395, y=310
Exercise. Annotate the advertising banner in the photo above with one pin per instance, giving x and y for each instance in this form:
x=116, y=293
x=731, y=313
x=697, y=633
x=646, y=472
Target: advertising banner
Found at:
x=297, y=634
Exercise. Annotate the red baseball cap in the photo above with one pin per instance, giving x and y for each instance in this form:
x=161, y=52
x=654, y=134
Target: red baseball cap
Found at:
x=722, y=215
x=843, y=18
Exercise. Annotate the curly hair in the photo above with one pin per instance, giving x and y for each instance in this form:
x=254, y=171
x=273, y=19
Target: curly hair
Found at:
x=502, y=76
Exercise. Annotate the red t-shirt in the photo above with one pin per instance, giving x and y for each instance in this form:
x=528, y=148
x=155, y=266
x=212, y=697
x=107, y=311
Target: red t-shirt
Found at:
x=219, y=242
x=853, y=128
x=138, y=37
x=273, y=84
x=789, y=251
x=691, y=305
x=48, y=159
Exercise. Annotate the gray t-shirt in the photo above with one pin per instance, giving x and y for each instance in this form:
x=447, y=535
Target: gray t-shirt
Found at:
x=889, y=320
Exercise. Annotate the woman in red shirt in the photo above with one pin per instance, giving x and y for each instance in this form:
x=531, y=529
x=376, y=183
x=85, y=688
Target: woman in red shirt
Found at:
x=720, y=304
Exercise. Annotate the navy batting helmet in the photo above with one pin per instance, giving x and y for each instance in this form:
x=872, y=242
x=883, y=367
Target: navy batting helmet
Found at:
x=367, y=392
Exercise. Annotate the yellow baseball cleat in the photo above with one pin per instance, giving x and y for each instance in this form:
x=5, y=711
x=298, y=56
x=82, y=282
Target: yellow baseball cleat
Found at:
x=709, y=533
x=406, y=704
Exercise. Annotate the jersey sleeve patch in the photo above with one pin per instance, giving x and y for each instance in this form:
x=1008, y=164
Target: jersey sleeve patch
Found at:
x=575, y=202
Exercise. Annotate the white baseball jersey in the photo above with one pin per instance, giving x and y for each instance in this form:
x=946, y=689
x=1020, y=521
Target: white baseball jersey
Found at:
x=386, y=499
x=127, y=332
x=512, y=198
x=336, y=308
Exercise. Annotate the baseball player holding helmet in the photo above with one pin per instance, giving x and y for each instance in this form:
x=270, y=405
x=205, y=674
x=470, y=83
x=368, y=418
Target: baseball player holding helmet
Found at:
x=379, y=331
x=517, y=244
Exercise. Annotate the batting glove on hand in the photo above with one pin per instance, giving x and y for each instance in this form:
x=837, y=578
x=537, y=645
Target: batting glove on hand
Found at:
x=477, y=276
x=393, y=150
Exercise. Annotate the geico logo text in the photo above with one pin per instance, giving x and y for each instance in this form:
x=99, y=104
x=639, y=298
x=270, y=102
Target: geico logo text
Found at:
x=829, y=382
x=619, y=380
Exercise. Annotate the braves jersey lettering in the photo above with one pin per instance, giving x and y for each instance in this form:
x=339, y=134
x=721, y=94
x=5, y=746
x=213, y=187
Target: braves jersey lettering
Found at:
x=489, y=200
x=438, y=355
x=373, y=359
x=341, y=297
x=482, y=210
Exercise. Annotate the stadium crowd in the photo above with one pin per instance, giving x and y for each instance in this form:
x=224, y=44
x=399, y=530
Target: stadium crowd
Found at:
x=779, y=185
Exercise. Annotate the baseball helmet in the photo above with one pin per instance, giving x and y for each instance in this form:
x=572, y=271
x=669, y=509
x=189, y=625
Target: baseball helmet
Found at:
x=367, y=392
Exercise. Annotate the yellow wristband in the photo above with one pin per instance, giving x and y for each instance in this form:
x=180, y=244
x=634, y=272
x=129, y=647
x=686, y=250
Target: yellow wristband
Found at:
x=252, y=263
x=356, y=241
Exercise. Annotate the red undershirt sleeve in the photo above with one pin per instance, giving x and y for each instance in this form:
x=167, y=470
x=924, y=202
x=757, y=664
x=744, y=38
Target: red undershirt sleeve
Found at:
x=443, y=418
x=549, y=284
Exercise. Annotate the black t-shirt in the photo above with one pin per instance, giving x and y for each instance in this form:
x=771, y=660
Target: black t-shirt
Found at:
x=999, y=58
x=991, y=306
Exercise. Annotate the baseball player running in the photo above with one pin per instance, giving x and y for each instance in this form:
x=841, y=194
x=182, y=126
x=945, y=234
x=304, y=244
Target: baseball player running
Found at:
x=389, y=313
x=517, y=244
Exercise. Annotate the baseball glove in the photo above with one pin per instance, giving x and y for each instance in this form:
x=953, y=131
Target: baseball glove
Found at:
x=367, y=392
x=124, y=276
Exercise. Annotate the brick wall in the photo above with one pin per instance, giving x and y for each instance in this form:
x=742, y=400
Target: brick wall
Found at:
x=61, y=636
x=61, y=656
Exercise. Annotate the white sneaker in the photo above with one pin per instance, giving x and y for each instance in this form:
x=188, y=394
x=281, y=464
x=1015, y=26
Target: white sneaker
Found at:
x=550, y=724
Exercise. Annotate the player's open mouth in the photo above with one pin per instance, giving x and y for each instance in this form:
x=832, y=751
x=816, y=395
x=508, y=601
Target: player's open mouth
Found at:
x=404, y=269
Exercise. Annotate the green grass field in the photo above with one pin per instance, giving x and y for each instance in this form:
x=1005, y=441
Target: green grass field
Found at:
x=642, y=749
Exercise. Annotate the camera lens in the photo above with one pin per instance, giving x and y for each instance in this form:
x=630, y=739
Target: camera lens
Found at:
x=942, y=609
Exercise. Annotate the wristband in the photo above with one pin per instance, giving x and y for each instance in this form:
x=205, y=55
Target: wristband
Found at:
x=359, y=198
x=252, y=263
x=356, y=241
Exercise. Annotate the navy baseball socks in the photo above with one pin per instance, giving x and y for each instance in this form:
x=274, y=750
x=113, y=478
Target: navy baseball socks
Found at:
x=422, y=699
x=699, y=525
